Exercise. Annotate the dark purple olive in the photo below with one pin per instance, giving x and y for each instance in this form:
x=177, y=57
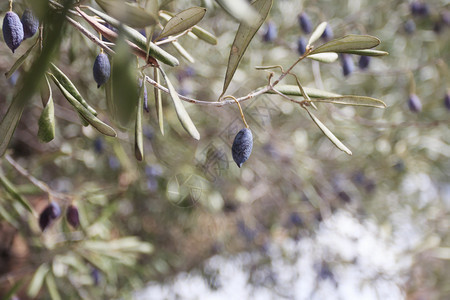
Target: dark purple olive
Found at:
x=447, y=100
x=409, y=26
x=305, y=22
x=98, y=145
x=301, y=45
x=414, y=103
x=347, y=64
x=30, y=24
x=102, y=69
x=419, y=8
x=242, y=146
x=48, y=215
x=72, y=216
x=295, y=219
x=364, y=62
x=445, y=17
x=271, y=32
x=437, y=27
x=327, y=33
x=12, y=30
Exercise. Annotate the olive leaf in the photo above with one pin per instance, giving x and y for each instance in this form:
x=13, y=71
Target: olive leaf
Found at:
x=204, y=35
x=46, y=131
x=124, y=84
x=353, y=100
x=138, y=135
x=51, y=286
x=348, y=43
x=8, y=217
x=368, y=52
x=241, y=10
x=183, y=52
x=14, y=289
x=293, y=90
x=183, y=21
x=84, y=112
x=244, y=35
x=199, y=32
x=38, y=280
x=329, y=134
x=137, y=38
x=128, y=13
x=158, y=102
x=326, y=57
x=12, y=191
x=317, y=33
x=9, y=123
x=70, y=87
x=182, y=114
x=20, y=60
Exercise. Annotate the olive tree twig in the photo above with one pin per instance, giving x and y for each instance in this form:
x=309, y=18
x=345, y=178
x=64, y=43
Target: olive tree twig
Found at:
x=41, y=185
x=249, y=96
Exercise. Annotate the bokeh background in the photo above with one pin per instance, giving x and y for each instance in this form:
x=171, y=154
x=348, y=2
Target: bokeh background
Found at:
x=299, y=220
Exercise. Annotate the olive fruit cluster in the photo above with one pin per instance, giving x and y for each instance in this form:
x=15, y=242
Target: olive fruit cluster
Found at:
x=242, y=146
x=15, y=30
x=53, y=211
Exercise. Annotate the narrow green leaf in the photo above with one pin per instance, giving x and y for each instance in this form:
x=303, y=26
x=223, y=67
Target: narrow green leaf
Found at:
x=293, y=90
x=110, y=105
x=325, y=57
x=348, y=43
x=269, y=67
x=138, y=135
x=182, y=114
x=241, y=10
x=183, y=52
x=86, y=114
x=9, y=218
x=125, y=86
x=15, y=288
x=244, y=35
x=51, y=287
x=70, y=87
x=9, y=123
x=20, y=60
x=368, y=52
x=46, y=132
x=329, y=134
x=302, y=91
x=317, y=33
x=353, y=100
x=38, y=280
x=46, y=122
x=199, y=32
x=127, y=13
x=137, y=38
x=12, y=191
x=183, y=21
x=204, y=35
x=158, y=102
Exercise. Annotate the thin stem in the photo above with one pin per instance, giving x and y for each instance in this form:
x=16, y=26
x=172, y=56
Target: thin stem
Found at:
x=301, y=102
x=10, y=5
x=89, y=35
x=172, y=39
x=240, y=109
x=41, y=185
